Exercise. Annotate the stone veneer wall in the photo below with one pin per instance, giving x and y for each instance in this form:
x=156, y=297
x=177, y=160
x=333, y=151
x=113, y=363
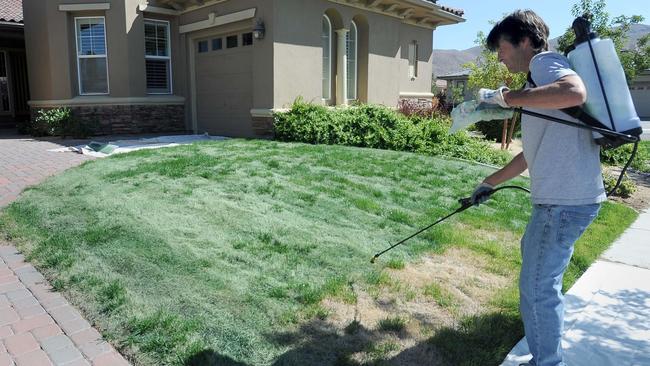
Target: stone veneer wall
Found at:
x=129, y=119
x=263, y=127
x=419, y=102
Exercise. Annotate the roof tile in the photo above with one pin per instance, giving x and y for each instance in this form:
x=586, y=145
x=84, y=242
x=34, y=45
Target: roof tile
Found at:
x=11, y=11
x=454, y=11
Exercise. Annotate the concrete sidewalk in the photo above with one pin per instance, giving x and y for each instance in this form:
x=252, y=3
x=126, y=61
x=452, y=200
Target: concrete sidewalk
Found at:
x=607, y=320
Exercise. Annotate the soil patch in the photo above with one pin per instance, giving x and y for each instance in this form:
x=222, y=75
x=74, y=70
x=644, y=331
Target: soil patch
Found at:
x=462, y=275
x=639, y=200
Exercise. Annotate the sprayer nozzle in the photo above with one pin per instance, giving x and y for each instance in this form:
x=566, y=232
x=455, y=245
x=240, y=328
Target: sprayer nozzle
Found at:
x=373, y=259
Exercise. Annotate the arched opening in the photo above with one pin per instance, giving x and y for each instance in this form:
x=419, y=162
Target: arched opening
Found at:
x=334, y=21
x=326, y=40
x=363, y=33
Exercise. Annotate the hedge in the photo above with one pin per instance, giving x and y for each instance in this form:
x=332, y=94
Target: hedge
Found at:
x=380, y=127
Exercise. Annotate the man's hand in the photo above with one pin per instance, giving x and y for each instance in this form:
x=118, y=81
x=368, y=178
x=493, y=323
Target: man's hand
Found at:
x=481, y=193
x=493, y=96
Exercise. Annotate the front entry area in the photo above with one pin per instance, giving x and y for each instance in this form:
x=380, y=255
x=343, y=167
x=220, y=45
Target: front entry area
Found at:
x=14, y=88
x=224, y=83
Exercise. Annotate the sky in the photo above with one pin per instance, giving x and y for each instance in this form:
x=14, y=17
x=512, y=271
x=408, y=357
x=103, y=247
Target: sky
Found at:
x=556, y=13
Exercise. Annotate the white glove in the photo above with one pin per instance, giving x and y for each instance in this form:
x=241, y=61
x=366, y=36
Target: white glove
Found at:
x=493, y=96
x=481, y=193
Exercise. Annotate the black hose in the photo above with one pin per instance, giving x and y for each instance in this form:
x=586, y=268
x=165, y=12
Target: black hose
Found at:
x=627, y=165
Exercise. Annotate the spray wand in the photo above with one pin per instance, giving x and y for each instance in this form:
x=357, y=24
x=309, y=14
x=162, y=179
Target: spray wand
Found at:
x=465, y=203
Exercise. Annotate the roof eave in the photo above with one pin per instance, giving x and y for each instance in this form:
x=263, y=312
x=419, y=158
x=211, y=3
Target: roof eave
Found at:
x=11, y=24
x=449, y=18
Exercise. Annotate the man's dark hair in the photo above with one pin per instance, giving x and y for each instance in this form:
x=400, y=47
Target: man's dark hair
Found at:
x=518, y=25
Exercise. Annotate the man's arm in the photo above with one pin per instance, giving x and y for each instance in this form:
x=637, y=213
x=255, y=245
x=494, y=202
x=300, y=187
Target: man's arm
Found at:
x=515, y=167
x=568, y=91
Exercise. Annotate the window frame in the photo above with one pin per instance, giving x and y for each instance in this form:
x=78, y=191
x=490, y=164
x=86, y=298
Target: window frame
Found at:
x=168, y=57
x=230, y=37
x=243, y=43
x=329, y=59
x=198, y=46
x=356, y=61
x=79, y=57
x=413, y=63
x=212, y=44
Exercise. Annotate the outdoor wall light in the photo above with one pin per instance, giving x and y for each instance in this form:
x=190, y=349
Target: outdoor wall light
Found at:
x=258, y=30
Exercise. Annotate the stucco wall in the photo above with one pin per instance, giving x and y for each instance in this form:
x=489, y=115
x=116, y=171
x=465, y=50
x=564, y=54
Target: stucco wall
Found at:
x=47, y=50
x=51, y=48
x=641, y=98
x=640, y=91
x=298, y=54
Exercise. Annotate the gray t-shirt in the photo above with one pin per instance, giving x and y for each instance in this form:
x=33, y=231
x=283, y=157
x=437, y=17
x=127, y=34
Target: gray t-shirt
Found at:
x=563, y=161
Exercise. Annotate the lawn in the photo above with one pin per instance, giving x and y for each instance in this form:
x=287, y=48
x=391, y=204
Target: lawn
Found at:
x=258, y=253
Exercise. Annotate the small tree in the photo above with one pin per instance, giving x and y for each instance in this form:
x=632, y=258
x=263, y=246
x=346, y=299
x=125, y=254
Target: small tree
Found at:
x=488, y=72
x=634, y=60
x=454, y=95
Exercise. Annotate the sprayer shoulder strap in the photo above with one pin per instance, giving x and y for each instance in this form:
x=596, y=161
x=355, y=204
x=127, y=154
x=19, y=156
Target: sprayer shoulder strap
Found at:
x=577, y=112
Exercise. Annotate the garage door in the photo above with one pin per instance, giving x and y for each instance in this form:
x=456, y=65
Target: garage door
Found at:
x=224, y=85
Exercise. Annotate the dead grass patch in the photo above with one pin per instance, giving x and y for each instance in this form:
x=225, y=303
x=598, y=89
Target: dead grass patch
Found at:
x=462, y=273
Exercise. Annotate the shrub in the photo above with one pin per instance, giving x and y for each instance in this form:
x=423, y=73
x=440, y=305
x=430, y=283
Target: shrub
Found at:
x=59, y=121
x=49, y=122
x=379, y=127
x=625, y=190
x=493, y=130
x=620, y=155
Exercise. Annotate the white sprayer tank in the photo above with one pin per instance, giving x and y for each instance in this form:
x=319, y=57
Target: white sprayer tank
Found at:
x=620, y=102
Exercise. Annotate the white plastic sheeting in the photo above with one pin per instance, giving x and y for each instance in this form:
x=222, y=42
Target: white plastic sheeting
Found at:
x=102, y=149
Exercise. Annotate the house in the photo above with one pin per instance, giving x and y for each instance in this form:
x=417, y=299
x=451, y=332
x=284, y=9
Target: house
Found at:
x=640, y=90
x=458, y=81
x=14, y=92
x=224, y=66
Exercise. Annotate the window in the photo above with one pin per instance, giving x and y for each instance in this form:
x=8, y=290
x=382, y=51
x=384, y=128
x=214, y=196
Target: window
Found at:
x=413, y=60
x=217, y=44
x=351, y=51
x=232, y=42
x=247, y=39
x=326, y=41
x=92, y=65
x=203, y=46
x=157, y=56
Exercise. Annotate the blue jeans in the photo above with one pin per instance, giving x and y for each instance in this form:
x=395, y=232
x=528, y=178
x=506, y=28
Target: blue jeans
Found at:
x=546, y=249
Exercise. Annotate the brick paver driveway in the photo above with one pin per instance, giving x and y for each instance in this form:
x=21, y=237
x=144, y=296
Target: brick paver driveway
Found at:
x=25, y=161
x=38, y=326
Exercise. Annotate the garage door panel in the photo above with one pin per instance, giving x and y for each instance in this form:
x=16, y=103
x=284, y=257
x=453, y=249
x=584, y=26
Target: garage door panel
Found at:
x=224, y=92
x=236, y=83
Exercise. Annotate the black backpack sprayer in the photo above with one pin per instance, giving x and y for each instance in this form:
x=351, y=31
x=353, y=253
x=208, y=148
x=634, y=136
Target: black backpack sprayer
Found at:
x=609, y=111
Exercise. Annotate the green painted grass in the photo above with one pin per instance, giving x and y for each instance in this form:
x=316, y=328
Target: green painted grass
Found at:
x=222, y=252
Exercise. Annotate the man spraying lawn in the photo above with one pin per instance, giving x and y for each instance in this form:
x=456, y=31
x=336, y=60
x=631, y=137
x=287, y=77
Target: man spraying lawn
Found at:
x=564, y=164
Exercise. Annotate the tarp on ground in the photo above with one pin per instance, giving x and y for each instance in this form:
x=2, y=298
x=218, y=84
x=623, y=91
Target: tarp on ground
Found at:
x=103, y=149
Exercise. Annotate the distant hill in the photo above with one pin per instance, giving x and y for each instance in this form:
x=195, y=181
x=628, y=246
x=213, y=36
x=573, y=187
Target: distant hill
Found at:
x=450, y=61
